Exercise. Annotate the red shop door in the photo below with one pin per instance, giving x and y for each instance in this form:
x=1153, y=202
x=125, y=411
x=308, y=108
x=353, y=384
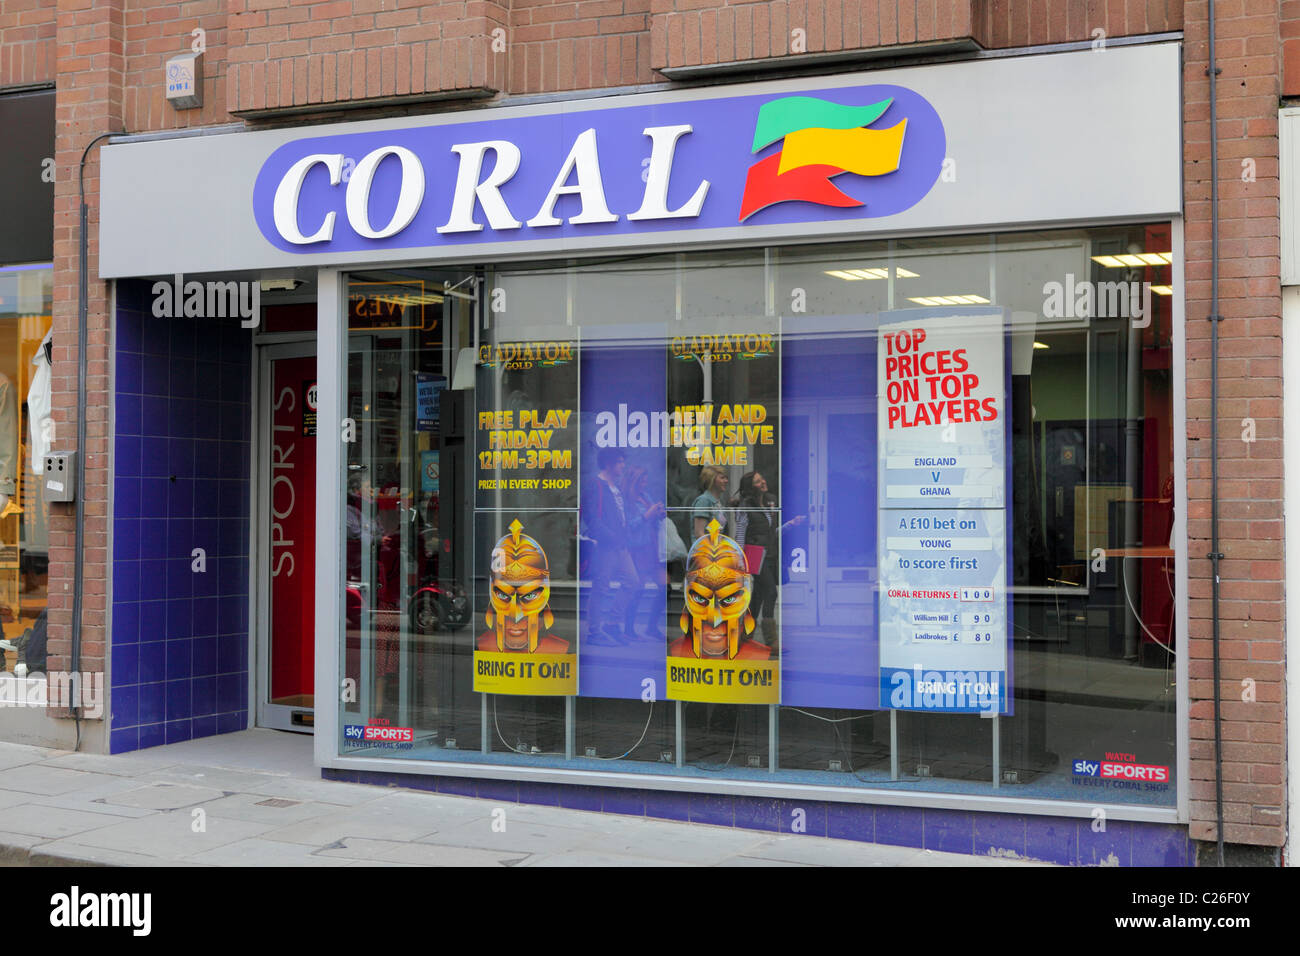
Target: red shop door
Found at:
x=288, y=531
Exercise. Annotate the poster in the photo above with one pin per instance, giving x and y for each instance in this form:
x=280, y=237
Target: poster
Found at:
x=723, y=415
x=942, y=510
x=724, y=481
x=428, y=386
x=430, y=471
x=525, y=605
x=525, y=426
x=717, y=659
x=309, y=408
x=625, y=618
x=830, y=654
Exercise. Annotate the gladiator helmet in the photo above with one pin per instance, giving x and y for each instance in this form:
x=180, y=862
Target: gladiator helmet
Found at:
x=520, y=587
x=718, y=588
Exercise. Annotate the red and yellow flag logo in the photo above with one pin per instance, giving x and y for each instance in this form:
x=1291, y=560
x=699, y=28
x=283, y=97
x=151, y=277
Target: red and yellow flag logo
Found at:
x=821, y=140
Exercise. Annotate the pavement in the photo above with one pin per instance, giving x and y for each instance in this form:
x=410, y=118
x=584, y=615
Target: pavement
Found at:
x=256, y=799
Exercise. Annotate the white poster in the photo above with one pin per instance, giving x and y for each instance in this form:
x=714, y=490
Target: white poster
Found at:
x=942, y=500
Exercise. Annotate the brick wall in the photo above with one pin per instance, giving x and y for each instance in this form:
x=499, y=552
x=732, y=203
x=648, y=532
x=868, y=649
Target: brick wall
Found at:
x=88, y=102
x=697, y=32
x=1250, y=474
x=156, y=32
x=291, y=54
x=26, y=42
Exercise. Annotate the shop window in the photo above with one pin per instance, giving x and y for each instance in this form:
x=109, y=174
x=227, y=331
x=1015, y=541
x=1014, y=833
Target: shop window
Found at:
x=833, y=515
x=26, y=433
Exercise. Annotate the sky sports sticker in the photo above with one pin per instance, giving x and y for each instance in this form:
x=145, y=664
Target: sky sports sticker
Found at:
x=1120, y=770
x=379, y=734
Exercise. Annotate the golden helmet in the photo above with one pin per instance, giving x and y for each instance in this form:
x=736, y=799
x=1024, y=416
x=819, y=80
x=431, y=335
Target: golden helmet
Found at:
x=520, y=587
x=718, y=588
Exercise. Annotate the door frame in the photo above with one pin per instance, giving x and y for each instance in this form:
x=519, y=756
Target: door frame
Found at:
x=262, y=711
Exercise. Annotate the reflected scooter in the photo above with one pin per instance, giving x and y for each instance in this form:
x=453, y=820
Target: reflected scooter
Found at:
x=436, y=605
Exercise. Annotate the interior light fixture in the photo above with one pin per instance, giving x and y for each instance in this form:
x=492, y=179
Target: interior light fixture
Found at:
x=1132, y=260
x=949, y=300
x=1041, y=345
x=875, y=272
x=279, y=283
x=1162, y=289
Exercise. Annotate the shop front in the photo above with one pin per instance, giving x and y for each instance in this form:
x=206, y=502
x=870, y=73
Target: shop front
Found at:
x=803, y=455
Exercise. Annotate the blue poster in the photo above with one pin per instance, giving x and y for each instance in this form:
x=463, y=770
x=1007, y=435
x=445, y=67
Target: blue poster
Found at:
x=624, y=600
x=828, y=452
x=427, y=387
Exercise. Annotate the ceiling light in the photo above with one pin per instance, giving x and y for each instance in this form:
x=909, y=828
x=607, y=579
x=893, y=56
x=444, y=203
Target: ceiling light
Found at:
x=1129, y=261
x=966, y=299
x=1162, y=289
x=873, y=272
x=1041, y=345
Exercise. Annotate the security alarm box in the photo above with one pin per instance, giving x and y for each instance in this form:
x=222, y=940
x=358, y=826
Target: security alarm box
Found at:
x=61, y=476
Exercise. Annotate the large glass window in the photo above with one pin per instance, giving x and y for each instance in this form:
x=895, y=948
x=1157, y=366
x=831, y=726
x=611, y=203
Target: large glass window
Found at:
x=833, y=515
x=26, y=434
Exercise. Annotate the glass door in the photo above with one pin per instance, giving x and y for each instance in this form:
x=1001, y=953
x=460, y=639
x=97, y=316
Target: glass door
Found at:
x=286, y=529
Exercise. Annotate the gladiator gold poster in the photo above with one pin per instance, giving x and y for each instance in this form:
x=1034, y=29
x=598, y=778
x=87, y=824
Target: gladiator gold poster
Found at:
x=717, y=659
x=525, y=425
x=526, y=604
x=724, y=479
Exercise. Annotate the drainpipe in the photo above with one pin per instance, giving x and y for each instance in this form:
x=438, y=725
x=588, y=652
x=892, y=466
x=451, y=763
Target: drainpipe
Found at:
x=1215, y=554
x=78, y=560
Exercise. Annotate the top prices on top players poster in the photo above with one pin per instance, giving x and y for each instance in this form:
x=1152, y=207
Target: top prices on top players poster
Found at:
x=942, y=510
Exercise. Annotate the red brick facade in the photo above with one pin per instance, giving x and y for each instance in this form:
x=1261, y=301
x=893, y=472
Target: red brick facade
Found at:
x=267, y=56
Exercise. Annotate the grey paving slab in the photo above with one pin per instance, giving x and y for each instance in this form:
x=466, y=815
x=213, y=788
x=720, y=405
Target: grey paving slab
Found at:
x=323, y=791
x=222, y=778
x=91, y=797
x=69, y=851
x=12, y=755
x=170, y=836
x=265, y=853
x=13, y=798
x=518, y=837
x=269, y=807
x=259, y=750
x=164, y=796
x=20, y=840
x=436, y=813
x=355, y=824
x=35, y=778
x=52, y=822
x=421, y=854
x=108, y=764
x=259, y=808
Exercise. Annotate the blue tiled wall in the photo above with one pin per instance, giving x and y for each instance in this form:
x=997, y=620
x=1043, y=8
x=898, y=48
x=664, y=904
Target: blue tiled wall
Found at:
x=1069, y=841
x=179, y=649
